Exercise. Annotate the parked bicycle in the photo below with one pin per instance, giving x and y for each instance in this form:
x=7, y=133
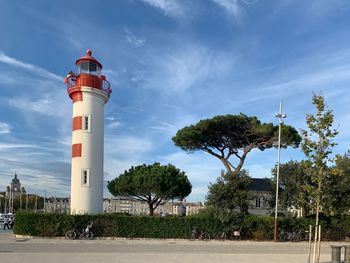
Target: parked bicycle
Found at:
x=84, y=233
x=231, y=234
x=198, y=234
x=295, y=236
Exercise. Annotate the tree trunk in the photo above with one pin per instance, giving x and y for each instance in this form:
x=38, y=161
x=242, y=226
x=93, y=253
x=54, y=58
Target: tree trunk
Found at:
x=242, y=159
x=226, y=164
x=151, y=209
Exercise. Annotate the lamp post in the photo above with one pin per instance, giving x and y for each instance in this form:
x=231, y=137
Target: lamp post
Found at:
x=280, y=117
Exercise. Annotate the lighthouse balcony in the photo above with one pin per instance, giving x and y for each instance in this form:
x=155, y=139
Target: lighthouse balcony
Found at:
x=95, y=81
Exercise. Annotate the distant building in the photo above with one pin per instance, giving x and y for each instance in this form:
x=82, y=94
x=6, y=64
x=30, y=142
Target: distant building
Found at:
x=194, y=208
x=261, y=192
x=59, y=205
x=135, y=207
x=15, y=189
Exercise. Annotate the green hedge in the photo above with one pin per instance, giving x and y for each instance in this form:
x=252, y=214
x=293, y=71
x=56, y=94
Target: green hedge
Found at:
x=116, y=225
x=113, y=225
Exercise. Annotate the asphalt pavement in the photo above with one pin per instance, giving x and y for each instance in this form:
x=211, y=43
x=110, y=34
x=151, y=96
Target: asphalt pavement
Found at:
x=37, y=250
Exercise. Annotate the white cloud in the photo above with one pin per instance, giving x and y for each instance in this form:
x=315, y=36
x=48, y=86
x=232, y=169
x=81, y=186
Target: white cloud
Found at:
x=186, y=67
x=165, y=126
x=259, y=171
x=171, y=8
x=7, y=146
x=42, y=106
x=231, y=6
x=127, y=146
x=114, y=124
x=29, y=67
x=38, y=167
x=318, y=9
x=5, y=79
x=132, y=39
x=4, y=128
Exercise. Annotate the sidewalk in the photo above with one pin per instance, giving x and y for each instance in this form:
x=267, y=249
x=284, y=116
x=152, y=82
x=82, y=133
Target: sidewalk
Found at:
x=37, y=250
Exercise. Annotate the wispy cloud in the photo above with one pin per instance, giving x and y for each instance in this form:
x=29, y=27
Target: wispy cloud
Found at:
x=4, y=128
x=164, y=126
x=8, y=146
x=187, y=67
x=321, y=9
x=38, y=166
x=132, y=39
x=5, y=79
x=114, y=124
x=128, y=145
x=231, y=6
x=171, y=8
x=29, y=67
x=43, y=106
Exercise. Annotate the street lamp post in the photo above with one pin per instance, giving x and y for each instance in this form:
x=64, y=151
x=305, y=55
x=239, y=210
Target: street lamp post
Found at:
x=280, y=117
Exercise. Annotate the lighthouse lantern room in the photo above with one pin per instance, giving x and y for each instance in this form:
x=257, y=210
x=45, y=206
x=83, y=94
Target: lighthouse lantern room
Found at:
x=89, y=91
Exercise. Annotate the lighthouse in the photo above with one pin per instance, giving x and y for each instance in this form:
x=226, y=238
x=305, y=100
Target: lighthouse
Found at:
x=89, y=91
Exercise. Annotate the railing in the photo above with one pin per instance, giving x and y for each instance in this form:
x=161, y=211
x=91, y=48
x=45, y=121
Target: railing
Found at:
x=98, y=82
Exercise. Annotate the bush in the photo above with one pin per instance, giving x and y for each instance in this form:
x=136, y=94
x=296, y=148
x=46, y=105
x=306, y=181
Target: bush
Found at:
x=212, y=221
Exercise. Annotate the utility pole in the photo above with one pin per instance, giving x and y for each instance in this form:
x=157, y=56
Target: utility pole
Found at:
x=45, y=203
x=20, y=200
x=280, y=117
x=36, y=203
x=27, y=199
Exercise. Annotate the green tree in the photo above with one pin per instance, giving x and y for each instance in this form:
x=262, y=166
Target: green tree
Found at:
x=229, y=193
x=317, y=144
x=338, y=185
x=294, y=186
x=34, y=203
x=233, y=135
x=153, y=184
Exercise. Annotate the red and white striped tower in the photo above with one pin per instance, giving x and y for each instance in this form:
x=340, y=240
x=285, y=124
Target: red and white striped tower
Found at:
x=89, y=91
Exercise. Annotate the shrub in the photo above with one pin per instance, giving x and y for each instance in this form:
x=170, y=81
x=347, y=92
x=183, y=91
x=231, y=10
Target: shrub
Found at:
x=212, y=222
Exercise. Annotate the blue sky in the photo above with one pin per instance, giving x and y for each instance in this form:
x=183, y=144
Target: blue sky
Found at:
x=170, y=63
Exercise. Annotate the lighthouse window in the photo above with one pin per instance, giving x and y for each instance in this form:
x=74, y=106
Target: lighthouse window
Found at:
x=85, y=177
x=86, y=123
x=92, y=68
x=89, y=68
x=84, y=67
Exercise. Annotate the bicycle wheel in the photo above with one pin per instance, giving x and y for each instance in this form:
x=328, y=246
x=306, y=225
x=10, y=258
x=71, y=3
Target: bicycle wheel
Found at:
x=204, y=236
x=88, y=235
x=193, y=236
x=70, y=234
x=222, y=236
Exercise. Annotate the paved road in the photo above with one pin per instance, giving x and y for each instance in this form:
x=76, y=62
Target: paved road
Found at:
x=134, y=251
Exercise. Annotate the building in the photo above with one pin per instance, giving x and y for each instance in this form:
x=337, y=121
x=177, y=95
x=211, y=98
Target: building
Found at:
x=194, y=208
x=15, y=188
x=89, y=91
x=260, y=191
x=59, y=205
x=135, y=207
x=124, y=205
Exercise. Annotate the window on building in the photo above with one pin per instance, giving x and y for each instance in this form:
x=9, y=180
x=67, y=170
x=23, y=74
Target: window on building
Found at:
x=87, y=123
x=257, y=202
x=85, y=177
